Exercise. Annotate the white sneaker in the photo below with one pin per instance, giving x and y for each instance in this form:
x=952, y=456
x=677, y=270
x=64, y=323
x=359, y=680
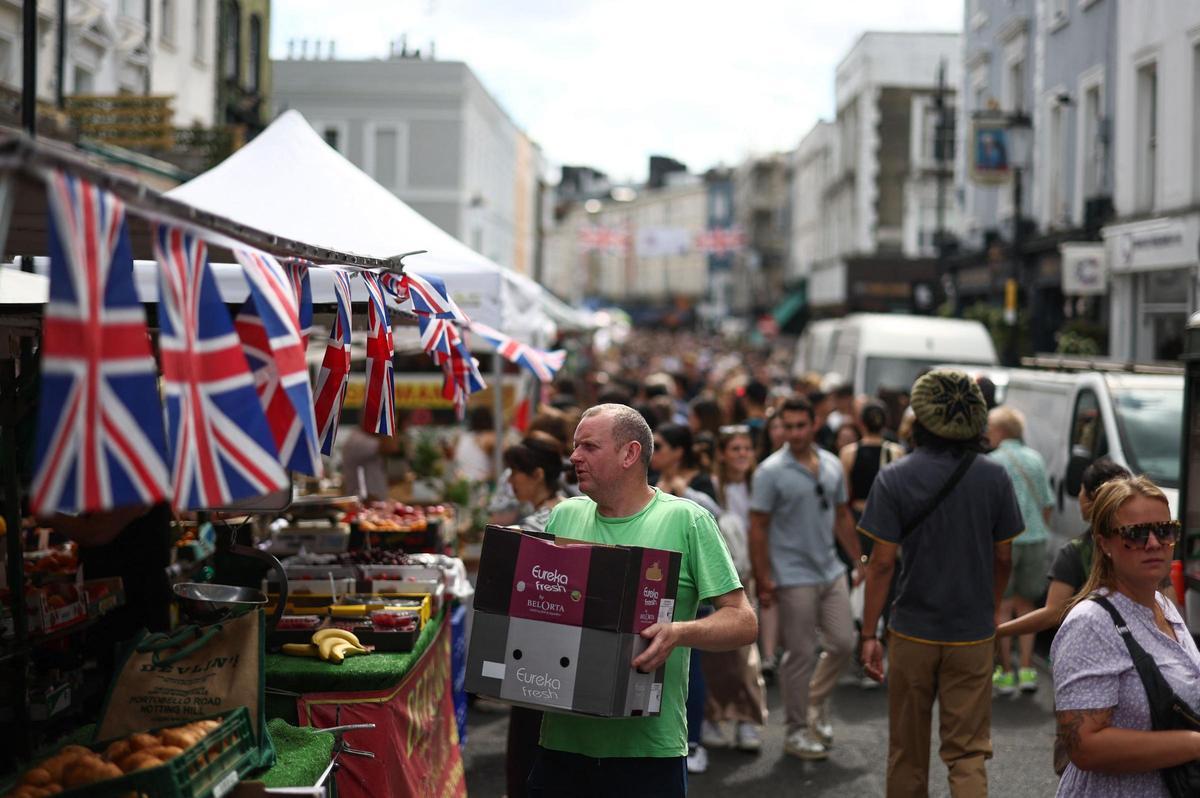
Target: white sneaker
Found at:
x=749, y=737
x=820, y=722
x=713, y=735
x=803, y=745
x=697, y=759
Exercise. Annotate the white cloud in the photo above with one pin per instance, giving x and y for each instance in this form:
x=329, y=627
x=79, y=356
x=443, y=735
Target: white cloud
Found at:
x=608, y=83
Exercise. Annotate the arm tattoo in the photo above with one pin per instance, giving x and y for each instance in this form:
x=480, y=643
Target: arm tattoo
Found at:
x=1071, y=722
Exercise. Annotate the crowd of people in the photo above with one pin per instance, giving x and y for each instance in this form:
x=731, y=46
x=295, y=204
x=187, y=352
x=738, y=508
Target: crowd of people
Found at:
x=904, y=533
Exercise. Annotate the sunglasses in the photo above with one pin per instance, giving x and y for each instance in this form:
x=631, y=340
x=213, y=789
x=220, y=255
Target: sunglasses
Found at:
x=824, y=499
x=1136, y=536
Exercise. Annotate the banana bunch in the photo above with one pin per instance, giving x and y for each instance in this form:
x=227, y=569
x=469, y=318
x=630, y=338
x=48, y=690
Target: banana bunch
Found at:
x=331, y=645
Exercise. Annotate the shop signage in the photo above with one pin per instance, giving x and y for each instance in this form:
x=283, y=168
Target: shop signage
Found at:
x=415, y=739
x=1155, y=244
x=1084, y=270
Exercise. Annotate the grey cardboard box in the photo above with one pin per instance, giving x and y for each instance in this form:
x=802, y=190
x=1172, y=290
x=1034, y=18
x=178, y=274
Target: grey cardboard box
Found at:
x=554, y=666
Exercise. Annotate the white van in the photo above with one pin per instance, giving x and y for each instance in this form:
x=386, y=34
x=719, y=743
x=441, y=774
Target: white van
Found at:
x=815, y=346
x=1073, y=418
x=889, y=350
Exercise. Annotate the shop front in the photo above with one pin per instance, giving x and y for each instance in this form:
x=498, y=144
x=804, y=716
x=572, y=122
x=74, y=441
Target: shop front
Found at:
x=1154, y=270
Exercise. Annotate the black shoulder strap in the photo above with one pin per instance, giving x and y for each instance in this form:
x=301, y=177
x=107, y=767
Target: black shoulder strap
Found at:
x=1152, y=678
x=959, y=471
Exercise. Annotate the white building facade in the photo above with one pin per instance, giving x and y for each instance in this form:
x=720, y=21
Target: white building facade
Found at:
x=1153, y=248
x=122, y=47
x=865, y=185
x=633, y=269
x=429, y=132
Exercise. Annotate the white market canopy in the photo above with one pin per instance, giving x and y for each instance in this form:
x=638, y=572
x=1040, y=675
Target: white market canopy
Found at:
x=289, y=182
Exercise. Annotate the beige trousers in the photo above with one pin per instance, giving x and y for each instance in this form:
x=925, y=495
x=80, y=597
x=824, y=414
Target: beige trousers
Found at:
x=959, y=677
x=812, y=616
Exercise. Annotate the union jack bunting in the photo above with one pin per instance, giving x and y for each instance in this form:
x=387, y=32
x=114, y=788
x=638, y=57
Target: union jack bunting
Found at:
x=298, y=274
x=281, y=372
x=544, y=365
x=330, y=393
x=440, y=338
x=395, y=285
x=430, y=297
x=605, y=239
x=221, y=447
x=721, y=240
x=100, y=440
x=379, y=412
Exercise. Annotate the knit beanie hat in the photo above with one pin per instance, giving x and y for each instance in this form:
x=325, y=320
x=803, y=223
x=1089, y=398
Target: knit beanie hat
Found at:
x=949, y=404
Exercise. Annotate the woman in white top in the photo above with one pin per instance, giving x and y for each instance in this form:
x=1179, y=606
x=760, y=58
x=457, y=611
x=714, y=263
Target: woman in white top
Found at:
x=473, y=451
x=736, y=692
x=1100, y=701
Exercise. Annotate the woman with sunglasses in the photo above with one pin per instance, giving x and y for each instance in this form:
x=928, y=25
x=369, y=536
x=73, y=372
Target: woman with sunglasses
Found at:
x=1101, y=703
x=736, y=692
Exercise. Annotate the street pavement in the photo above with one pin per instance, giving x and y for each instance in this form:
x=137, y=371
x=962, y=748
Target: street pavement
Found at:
x=1022, y=738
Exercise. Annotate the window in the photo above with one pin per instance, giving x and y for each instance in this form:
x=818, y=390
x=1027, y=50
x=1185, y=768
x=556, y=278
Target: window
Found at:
x=1147, y=137
x=1093, y=145
x=1196, y=121
x=1055, y=152
x=231, y=42
x=199, y=31
x=166, y=12
x=387, y=158
x=84, y=80
x=1164, y=301
x=254, y=80
x=7, y=73
x=1087, y=429
x=332, y=137
x=1014, y=85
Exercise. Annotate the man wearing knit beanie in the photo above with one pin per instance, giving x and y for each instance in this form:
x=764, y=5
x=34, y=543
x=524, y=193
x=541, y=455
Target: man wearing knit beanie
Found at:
x=952, y=517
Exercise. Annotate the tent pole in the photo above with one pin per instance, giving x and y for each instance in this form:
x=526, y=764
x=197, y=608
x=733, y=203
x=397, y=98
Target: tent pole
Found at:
x=498, y=414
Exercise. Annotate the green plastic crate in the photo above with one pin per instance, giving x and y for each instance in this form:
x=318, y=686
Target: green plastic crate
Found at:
x=209, y=769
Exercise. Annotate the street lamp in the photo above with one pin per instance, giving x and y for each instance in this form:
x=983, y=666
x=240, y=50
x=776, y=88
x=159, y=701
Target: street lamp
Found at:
x=1020, y=144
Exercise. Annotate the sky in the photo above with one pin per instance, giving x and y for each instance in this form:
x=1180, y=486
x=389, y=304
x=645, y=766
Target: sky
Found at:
x=607, y=83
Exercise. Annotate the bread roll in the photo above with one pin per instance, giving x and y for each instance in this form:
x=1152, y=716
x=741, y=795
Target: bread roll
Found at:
x=142, y=740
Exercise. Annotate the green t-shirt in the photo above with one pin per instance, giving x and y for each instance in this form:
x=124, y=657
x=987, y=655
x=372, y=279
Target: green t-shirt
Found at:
x=666, y=522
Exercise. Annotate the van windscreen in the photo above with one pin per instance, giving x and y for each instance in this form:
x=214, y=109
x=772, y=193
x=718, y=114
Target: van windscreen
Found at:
x=1150, y=422
x=896, y=373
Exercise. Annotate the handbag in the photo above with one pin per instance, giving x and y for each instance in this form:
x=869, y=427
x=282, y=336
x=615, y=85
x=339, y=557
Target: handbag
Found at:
x=1167, y=710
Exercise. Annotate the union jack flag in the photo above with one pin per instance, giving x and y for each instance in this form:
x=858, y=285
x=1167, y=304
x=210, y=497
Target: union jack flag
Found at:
x=335, y=367
x=220, y=444
x=395, y=285
x=607, y=239
x=100, y=440
x=297, y=269
x=441, y=339
x=430, y=297
x=721, y=240
x=270, y=323
x=379, y=412
x=543, y=364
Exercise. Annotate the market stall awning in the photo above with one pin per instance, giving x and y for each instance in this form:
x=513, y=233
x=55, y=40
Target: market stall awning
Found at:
x=789, y=308
x=290, y=182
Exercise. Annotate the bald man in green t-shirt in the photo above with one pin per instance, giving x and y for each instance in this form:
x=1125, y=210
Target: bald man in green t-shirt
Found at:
x=625, y=757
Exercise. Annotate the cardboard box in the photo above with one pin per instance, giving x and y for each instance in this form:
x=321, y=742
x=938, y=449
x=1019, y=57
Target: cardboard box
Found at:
x=557, y=624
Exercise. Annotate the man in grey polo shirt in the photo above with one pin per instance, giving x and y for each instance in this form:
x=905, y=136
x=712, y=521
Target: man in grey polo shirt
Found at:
x=797, y=507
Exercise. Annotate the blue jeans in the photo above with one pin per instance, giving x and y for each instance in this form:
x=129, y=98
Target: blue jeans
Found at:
x=558, y=774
